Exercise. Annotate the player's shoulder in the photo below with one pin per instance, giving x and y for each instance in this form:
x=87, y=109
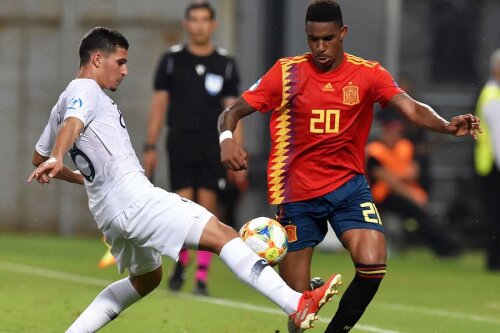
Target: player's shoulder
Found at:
x=295, y=59
x=360, y=62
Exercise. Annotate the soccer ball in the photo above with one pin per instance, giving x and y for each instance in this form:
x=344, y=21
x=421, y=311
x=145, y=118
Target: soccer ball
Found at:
x=266, y=237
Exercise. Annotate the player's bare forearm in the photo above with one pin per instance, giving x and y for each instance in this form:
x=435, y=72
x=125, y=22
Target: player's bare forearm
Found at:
x=425, y=116
x=233, y=156
x=228, y=119
x=69, y=175
x=419, y=113
x=65, y=139
x=66, y=174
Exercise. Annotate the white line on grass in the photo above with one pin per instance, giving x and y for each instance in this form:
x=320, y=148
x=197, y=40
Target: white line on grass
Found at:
x=102, y=283
x=31, y=270
x=437, y=313
x=251, y=307
x=48, y=273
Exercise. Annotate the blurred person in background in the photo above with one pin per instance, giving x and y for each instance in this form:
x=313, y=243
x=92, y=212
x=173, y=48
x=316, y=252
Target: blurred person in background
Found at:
x=141, y=222
x=192, y=83
x=322, y=108
x=487, y=161
x=393, y=173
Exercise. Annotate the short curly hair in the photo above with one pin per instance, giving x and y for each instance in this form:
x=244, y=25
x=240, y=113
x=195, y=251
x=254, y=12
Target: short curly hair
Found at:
x=324, y=11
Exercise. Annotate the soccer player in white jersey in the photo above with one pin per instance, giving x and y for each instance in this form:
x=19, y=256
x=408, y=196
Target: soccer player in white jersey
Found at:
x=141, y=222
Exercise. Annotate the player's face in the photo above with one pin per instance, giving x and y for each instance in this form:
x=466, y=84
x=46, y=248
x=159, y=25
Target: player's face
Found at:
x=199, y=26
x=114, y=68
x=325, y=42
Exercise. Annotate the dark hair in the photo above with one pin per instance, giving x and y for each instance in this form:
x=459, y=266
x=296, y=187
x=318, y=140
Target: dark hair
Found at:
x=200, y=5
x=324, y=11
x=102, y=39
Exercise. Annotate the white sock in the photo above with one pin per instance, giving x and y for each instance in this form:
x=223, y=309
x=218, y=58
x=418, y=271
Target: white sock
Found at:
x=106, y=307
x=255, y=271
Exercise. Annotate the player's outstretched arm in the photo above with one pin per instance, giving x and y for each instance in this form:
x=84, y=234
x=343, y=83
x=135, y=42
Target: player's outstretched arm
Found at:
x=233, y=156
x=66, y=173
x=53, y=166
x=424, y=116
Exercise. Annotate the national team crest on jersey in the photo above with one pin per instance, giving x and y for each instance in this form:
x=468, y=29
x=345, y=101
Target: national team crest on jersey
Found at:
x=351, y=96
x=213, y=83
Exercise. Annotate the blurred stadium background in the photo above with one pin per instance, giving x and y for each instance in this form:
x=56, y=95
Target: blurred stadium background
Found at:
x=442, y=45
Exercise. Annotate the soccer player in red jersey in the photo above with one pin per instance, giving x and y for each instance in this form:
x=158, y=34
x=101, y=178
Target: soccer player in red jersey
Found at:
x=322, y=109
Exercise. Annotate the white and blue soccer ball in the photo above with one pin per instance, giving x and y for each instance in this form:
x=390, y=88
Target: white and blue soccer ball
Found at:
x=266, y=237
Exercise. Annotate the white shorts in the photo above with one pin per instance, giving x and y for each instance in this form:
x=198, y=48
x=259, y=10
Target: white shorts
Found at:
x=160, y=223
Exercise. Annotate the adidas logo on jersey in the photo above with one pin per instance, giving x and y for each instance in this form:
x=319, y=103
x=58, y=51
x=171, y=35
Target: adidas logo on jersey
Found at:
x=328, y=87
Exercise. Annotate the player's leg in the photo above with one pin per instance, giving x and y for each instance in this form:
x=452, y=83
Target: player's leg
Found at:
x=145, y=269
x=253, y=270
x=360, y=229
x=295, y=269
x=304, y=233
x=208, y=199
x=368, y=252
x=178, y=273
x=114, y=299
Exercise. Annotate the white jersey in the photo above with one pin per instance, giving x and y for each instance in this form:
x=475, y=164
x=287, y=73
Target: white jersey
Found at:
x=114, y=178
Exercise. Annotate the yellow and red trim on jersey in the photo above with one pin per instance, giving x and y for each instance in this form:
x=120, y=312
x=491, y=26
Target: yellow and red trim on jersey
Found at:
x=280, y=150
x=360, y=61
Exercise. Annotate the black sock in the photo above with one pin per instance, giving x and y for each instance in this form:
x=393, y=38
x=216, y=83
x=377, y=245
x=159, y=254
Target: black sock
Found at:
x=357, y=297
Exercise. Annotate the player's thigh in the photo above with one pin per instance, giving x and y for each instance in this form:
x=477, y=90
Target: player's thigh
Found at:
x=215, y=235
x=306, y=225
x=355, y=208
x=128, y=254
x=163, y=222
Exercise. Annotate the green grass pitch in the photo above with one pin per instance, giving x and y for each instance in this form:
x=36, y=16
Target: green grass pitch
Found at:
x=46, y=281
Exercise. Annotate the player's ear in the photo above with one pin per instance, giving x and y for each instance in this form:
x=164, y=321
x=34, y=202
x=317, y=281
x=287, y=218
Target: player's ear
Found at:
x=343, y=32
x=96, y=59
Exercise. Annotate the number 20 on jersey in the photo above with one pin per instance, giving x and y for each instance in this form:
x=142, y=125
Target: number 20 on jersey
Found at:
x=324, y=121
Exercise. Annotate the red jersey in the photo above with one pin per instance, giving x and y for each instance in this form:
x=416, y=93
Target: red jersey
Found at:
x=320, y=122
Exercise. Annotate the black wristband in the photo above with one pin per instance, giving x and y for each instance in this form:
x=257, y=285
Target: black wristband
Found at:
x=148, y=147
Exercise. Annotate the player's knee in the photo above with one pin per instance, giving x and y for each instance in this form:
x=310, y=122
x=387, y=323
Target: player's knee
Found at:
x=225, y=235
x=215, y=235
x=146, y=283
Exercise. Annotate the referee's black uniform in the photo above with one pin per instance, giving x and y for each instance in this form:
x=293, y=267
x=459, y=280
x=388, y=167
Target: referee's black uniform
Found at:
x=196, y=87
